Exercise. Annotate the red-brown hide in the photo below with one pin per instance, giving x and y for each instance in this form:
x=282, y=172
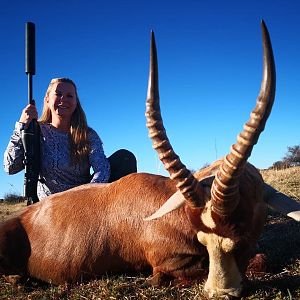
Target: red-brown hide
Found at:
x=97, y=229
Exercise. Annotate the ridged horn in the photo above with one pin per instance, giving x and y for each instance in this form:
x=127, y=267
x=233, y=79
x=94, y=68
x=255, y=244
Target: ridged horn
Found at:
x=225, y=188
x=185, y=181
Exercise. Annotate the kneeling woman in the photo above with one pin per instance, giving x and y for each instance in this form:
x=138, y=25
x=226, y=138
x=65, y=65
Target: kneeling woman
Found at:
x=69, y=148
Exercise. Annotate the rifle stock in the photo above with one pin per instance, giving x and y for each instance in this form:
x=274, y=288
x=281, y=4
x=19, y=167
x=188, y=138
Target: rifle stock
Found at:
x=31, y=134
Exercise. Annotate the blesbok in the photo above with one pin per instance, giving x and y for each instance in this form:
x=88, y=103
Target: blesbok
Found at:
x=210, y=225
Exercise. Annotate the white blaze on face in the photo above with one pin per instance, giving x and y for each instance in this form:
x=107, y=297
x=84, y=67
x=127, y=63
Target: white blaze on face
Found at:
x=206, y=217
x=224, y=277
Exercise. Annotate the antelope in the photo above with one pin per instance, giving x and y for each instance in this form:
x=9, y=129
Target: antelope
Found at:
x=201, y=225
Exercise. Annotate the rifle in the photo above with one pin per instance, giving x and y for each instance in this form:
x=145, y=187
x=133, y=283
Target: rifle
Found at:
x=31, y=133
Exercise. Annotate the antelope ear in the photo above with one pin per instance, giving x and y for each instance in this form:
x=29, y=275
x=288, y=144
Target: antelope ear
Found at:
x=174, y=202
x=281, y=202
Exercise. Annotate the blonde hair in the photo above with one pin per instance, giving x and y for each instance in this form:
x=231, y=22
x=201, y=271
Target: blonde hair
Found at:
x=79, y=144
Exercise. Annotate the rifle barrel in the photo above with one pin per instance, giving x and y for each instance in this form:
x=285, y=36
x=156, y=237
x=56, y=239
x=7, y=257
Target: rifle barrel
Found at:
x=30, y=56
x=30, y=48
x=31, y=134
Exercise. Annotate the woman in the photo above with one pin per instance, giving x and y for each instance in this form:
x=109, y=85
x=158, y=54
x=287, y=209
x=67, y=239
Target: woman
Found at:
x=69, y=148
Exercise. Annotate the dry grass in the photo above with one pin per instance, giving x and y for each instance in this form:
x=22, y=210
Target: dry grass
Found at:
x=7, y=209
x=280, y=241
x=286, y=181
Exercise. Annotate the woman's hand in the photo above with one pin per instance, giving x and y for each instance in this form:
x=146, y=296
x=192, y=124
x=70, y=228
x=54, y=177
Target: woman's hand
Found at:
x=28, y=113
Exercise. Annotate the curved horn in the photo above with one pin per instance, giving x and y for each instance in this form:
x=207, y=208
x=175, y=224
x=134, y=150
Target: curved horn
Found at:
x=185, y=181
x=225, y=189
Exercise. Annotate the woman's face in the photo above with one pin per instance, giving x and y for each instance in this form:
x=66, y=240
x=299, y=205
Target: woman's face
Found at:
x=62, y=100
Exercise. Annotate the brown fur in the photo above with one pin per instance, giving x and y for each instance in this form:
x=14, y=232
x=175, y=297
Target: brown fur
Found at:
x=97, y=229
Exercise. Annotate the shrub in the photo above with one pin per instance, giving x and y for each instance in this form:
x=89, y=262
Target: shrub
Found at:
x=13, y=198
x=292, y=158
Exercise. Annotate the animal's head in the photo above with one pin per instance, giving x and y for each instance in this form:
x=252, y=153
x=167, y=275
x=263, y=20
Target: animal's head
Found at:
x=224, y=201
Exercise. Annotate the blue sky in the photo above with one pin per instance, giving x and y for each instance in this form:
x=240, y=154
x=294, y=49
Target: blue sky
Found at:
x=210, y=67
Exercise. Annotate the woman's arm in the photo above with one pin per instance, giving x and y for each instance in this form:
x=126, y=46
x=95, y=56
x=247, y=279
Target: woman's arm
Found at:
x=14, y=153
x=98, y=160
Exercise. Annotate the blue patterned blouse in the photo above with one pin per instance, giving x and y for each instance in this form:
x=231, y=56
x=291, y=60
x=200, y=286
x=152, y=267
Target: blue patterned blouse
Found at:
x=57, y=173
